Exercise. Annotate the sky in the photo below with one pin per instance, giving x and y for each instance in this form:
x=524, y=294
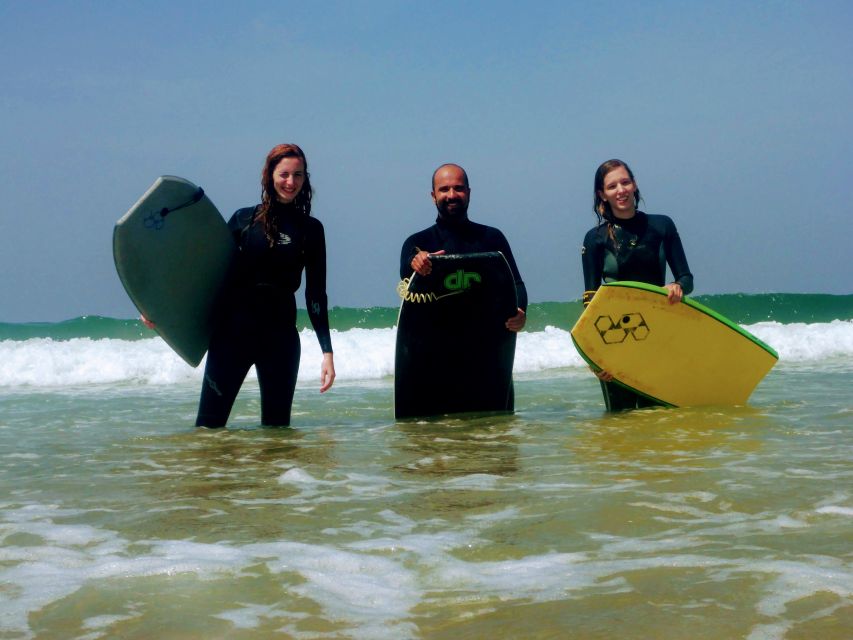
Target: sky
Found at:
x=734, y=116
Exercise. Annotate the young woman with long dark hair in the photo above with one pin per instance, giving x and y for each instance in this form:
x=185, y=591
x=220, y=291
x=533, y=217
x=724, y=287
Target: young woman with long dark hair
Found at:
x=628, y=244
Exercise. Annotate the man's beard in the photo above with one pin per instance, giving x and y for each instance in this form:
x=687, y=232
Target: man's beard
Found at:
x=456, y=213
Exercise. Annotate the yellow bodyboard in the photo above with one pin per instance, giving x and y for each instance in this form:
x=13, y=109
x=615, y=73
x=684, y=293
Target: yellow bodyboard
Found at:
x=681, y=355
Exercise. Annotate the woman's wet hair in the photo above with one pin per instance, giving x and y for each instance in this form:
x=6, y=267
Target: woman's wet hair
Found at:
x=599, y=206
x=271, y=208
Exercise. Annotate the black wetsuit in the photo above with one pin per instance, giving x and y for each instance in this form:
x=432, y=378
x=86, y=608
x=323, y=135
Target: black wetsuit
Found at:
x=643, y=246
x=256, y=322
x=461, y=236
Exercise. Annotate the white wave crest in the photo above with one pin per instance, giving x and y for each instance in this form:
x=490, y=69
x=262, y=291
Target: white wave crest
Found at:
x=360, y=354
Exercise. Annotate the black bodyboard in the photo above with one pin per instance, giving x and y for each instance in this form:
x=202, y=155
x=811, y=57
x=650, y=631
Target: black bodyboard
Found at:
x=454, y=353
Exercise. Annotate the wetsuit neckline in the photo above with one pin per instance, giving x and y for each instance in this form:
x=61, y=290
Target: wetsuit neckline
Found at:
x=629, y=223
x=452, y=223
x=288, y=210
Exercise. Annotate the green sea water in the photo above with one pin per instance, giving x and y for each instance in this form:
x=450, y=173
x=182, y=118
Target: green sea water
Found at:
x=784, y=308
x=118, y=519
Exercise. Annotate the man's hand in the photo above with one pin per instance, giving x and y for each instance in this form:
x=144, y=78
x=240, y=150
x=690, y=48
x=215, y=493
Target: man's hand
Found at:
x=517, y=322
x=421, y=264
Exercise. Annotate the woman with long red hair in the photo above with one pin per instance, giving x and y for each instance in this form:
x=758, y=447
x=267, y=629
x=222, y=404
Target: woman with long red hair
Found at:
x=276, y=240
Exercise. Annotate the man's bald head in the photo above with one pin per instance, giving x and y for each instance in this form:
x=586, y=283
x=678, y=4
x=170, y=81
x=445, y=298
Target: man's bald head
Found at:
x=450, y=192
x=452, y=167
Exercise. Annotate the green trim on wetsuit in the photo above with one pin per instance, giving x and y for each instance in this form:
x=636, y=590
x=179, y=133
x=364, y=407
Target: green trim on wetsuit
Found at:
x=644, y=246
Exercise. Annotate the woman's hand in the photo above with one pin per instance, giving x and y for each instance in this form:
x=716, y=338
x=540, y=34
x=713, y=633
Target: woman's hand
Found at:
x=147, y=322
x=602, y=375
x=327, y=372
x=675, y=293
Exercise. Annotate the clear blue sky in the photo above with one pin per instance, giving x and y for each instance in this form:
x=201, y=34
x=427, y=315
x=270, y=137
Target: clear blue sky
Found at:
x=735, y=116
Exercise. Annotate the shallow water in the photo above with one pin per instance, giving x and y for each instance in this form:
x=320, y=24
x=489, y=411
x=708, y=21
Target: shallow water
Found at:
x=118, y=519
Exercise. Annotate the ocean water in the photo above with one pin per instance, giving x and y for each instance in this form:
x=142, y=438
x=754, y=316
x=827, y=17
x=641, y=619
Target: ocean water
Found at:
x=118, y=519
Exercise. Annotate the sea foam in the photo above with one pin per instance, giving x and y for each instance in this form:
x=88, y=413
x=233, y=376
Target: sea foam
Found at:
x=360, y=354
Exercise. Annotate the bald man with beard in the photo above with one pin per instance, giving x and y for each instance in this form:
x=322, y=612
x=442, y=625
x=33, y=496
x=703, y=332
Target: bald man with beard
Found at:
x=454, y=233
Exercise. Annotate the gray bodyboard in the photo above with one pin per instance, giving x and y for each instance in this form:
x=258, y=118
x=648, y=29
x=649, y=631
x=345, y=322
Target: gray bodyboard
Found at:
x=173, y=252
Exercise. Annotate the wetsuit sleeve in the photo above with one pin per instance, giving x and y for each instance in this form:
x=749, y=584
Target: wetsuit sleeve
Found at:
x=237, y=225
x=315, y=284
x=406, y=254
x=520, y=289
x=521, y=295
x=676, y=259
x=592, y=259
x=239, y=222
